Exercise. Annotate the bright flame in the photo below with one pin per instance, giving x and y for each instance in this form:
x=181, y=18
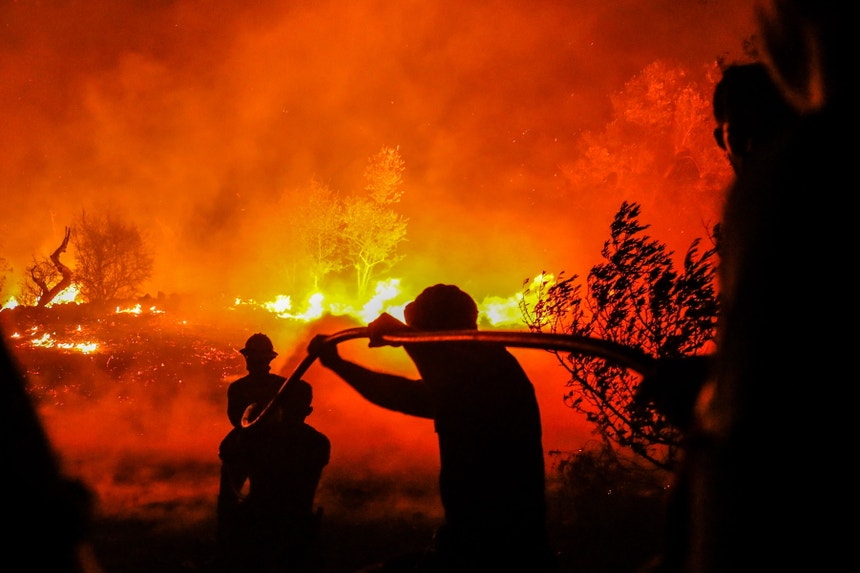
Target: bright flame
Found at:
x=317, y=305
x=138, y=309
x=46, y=340
x=502, y=311
x=11, y=303
x=82, y=347
x=385, y=291
x=69, y=294
x=389, y=298
x=280, y=306
x=283, y=304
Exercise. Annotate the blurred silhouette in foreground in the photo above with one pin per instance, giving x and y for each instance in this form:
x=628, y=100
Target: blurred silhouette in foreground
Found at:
x=267, y=522
x=48, y=515
x=765, y=495
x=750, y=112
x=492, y=475
x=751, y=115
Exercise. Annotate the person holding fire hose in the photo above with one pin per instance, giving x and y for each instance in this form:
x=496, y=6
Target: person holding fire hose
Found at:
x=273, y=528
x=492, y=474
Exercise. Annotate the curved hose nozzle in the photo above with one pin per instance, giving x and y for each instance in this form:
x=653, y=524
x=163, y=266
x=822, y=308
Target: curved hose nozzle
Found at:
x=625, y=356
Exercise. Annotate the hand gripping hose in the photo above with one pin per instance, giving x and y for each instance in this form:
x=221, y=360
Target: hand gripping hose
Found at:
x=625, y=356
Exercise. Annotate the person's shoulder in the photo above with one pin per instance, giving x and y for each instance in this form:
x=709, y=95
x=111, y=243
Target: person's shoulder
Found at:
x=238, y=382
x=811, y=149
x=312, y=430
x=315, y=434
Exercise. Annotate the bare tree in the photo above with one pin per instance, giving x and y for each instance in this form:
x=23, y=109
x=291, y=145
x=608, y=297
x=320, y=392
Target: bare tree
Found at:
x=112, y=260
x=5, y=269
x=48, y=271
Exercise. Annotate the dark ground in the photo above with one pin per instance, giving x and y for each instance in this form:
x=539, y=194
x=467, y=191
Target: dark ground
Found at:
x=157, y=506
x=609, y=534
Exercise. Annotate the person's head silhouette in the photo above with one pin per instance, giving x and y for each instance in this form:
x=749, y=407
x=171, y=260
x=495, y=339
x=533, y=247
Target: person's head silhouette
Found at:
x=442, y=307
x=295, y=401
x=749, y=110
x=258, y=351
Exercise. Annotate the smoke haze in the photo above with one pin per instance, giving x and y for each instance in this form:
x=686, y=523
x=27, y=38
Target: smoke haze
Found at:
x=199, y=121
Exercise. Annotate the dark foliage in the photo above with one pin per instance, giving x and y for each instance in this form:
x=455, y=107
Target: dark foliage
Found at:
x=636, y=298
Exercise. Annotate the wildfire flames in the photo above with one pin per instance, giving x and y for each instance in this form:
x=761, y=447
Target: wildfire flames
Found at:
x=388, y=298
x=134, y=399
x=206, y=129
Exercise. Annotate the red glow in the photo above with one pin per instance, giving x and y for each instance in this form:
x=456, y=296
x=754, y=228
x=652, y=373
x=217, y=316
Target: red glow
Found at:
x=203, y=127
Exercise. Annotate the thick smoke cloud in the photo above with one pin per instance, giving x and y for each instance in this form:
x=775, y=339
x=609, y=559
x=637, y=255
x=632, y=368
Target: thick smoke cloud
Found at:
x=195, y=119
x=199, y=120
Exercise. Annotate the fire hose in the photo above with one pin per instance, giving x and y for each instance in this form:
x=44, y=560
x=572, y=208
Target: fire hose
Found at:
x=625, y=356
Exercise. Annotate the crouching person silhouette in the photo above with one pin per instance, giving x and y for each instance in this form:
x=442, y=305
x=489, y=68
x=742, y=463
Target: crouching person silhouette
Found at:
x=271, y=470
x=255, y=390
x=492, y=475
x=285, y=456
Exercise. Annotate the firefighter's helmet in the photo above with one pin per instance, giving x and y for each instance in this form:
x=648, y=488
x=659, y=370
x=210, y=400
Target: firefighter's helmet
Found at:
x=442, y=307
x=259, y=345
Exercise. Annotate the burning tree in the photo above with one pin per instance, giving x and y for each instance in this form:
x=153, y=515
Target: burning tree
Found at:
x=360, y=231
x=112, y=260
x=372, y=230
x=638, y=299
x=318, y=225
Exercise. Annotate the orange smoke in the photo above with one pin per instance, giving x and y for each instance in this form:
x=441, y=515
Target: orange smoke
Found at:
x=202, y=127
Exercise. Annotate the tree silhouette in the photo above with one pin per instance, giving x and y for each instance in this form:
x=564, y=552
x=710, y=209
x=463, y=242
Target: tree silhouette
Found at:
x=372, y=230
x=318, y=223
x=5, y=269
x=50, y=276
x=659, y=145
x=636, y=298
x=112, y=260
x=384, y=176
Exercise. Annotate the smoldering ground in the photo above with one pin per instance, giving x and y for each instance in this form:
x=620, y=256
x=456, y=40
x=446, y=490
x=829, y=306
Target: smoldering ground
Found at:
x=139, y=422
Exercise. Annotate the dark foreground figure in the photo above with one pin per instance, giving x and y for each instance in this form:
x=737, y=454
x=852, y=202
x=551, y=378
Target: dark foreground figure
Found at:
x=769, y=443
x=752, y=116
x=492, y=476
x=49, y=516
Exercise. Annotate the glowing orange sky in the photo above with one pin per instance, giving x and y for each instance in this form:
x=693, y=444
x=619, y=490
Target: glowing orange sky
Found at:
x=193, y=118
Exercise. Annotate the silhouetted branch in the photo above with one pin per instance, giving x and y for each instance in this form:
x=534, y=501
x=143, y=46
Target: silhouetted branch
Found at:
x=48, y=294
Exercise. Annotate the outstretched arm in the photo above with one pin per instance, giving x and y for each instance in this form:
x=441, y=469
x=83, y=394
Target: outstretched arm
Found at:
x=390, y=391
